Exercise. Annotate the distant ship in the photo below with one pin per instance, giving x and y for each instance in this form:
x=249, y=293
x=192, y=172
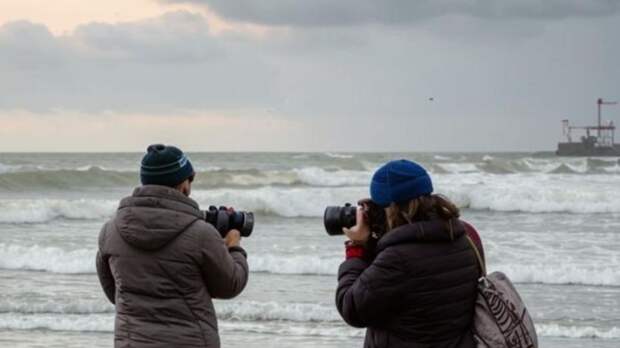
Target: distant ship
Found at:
x=597, y=141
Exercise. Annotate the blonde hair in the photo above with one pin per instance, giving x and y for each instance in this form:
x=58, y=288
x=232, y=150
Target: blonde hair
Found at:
x=420, y=209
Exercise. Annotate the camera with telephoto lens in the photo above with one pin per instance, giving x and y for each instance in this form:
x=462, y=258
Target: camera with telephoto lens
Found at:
x=337, y=217
x=224, y=220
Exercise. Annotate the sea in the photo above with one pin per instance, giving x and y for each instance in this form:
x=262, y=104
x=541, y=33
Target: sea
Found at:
x=552, y=224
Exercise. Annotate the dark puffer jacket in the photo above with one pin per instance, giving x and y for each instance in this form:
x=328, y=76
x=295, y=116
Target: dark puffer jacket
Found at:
x=162, y=264
x=418, y=292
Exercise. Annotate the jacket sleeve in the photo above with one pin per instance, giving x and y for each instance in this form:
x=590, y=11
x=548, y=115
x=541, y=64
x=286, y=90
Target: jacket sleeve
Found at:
x=103, y=269
x=225, y=270
x=368, y=293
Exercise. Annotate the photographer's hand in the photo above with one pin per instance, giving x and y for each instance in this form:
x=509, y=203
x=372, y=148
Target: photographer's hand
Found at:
x=359, y=233
x=233, y=238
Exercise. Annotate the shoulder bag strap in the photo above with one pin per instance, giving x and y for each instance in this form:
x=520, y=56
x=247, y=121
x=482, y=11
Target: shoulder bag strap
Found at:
x=483, y=269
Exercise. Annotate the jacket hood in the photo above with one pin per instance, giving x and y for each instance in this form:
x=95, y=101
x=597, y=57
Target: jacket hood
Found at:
x=155, y=215
x=433, y=231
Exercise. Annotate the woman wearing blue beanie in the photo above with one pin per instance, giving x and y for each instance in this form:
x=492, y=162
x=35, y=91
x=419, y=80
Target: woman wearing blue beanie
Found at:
x=416, y=285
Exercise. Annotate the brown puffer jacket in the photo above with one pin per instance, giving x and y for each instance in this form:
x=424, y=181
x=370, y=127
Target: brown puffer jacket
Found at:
x=161, y=264
x=418, y=292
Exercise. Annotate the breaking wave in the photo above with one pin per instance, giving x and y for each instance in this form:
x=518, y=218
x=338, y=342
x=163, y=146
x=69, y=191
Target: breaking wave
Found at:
x=265, y=311
x=307, y=264
x=534, y=193
x=522, y=193
x=58, y=322
x=66, y=179
x=105, y=323
x=18, y=178
x=96, y=177
x=591, y=332
x=338, y=155
x=57, y=260
x=43, y=210
x=227, y=310
x=76, y=306
x=286, y=202
x=49, y=259
x=562, y=273
x=331, y=328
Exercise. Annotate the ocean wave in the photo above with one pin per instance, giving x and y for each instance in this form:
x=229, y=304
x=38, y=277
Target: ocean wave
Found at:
x=563, y=273
x=43, y=210
x=442, y=158
x=285, y=202
x=459, y=168
x=9, y=168
x=58, y=322
x=97, y=177
x=315, y=176
x=105, y=323
x=522, y=193
x=49, y=259
x=276, y=311
x=332, y=328
x=88, y=177
x=307, y=264
x=519, y=273
x=76, y=306
x=57, y=260
x=338, y=155
x=495, y=168
x=571, y=331
x=533, y=193
x=226, y=310
x=15, y=178
x=540, y=165
x=519, y=193
x=493, y=165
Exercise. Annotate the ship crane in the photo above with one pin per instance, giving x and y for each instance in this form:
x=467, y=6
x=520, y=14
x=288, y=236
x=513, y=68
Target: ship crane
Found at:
x=568, y=129
x=600, y=102
x=601, y=144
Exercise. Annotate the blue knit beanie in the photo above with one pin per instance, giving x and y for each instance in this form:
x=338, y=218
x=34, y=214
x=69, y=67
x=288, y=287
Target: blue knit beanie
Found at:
x=399, y=181
x=164, y=165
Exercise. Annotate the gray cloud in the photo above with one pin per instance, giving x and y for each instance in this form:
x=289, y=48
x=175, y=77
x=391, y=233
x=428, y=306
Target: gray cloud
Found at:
x=176, y=37
x=160, y=65
x=351, y=12
x=26, y=45
x=350, y=87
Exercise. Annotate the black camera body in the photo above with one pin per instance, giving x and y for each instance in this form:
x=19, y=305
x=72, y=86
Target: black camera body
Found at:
x=225, y=220
x=337, y=217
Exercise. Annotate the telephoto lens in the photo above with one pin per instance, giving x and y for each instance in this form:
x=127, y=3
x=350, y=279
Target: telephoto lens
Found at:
x=336, y=217
x=225, y=220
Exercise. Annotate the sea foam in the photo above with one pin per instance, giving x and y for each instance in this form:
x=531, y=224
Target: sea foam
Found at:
x=533, y=195
x=228, y=310
x=49, y=259
x=57, y=260
x=105, y=323
x=43, y=210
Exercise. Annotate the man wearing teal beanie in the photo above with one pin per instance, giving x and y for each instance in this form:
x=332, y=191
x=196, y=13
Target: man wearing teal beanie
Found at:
x=161, y=264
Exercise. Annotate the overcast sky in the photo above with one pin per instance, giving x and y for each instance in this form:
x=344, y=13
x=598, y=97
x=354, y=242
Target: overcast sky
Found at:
x=289, y=75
